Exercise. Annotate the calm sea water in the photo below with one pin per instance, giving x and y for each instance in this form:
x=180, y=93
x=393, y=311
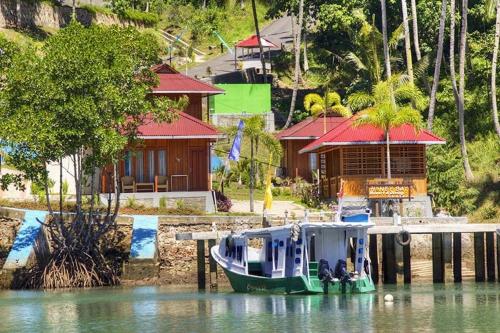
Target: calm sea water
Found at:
x=445, y=308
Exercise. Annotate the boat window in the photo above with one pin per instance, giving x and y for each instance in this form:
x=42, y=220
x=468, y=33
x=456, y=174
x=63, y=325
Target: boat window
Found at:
x=276, y=253
x=269, y=251
x=239, y=253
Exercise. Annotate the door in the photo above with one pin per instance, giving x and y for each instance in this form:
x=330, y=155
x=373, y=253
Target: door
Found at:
x=198, y=169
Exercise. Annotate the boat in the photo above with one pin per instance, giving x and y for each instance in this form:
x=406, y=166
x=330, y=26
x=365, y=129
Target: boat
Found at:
x=300, y=258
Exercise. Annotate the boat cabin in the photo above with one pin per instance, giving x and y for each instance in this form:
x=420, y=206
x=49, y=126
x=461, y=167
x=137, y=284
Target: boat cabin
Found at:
x=295, y=252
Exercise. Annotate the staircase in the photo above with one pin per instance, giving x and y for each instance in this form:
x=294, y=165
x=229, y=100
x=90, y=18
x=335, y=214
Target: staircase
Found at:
x=313, y=275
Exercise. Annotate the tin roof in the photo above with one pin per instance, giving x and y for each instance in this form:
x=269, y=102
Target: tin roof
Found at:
x=173, y=82
x=310, y=128
x=185, y=127
x=347, y=134
x=252, y=42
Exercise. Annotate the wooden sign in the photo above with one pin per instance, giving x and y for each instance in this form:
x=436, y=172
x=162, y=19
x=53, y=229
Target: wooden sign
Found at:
x=388, y=191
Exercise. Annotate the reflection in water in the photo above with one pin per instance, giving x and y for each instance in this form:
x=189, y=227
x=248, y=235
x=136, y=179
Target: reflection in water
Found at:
x=472, y=307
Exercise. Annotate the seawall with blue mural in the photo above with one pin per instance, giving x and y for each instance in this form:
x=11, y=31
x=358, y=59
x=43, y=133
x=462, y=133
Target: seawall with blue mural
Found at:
x=143, y=260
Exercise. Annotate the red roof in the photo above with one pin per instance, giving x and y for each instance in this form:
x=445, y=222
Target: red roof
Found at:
x=252, y=42
x=347, y=134
x=310, y=128
x=173, y=82
x=185, y=127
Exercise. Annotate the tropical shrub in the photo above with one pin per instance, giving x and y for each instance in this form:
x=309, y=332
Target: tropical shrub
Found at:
x=224, y=204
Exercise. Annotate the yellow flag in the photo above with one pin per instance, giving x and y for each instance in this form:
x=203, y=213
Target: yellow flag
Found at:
x=268, y=195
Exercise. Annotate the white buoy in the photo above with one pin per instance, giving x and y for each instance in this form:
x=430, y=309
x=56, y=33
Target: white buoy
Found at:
x=388, y=298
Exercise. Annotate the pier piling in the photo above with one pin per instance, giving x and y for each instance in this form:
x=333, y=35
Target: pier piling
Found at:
x=389, y=259
x=200, y=246
x=406, y=260
x=490, y=256
x=457, y=257
x=212, y=265
x=479, y=256
x=437, y=258
x=374, y=258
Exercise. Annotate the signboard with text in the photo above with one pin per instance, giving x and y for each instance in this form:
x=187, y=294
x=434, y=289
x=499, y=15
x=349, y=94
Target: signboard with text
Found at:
x=379, y=191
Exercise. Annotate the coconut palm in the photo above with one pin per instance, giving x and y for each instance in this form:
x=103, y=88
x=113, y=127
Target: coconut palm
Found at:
x=257, y=33
x=491, y=6
x=297, y=64
x=391, y=104
x=409, y=62
x=437, y=67
x=414, y=20
x=330, y=103
x=387, y=59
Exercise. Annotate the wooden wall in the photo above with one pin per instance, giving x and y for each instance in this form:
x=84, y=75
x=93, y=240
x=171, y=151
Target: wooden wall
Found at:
x=183, y=157
x=296, y=164
x=195, y=106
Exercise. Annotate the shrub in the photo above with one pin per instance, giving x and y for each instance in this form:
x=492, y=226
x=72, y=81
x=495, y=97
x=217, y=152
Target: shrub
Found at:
x=163, y=202
x=133, y=204
x=138, y=16
x=224, y=204
x=97, y=9
x=309, y=195
x=276, y=191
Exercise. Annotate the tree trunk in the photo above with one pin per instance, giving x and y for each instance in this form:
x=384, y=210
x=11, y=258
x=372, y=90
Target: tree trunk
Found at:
x=437, y=67
x=452, y=52
x=387, y=142
x=297, y=66
x=409, y=62
x=257, y=33
x=61, y=188
x=242, y=4
x=252, y=176
x=461, y=92
x=305, y=60
x=387, y=59
x=414, y=20
x=18, y=14
x=73, y=10
x=494, y=107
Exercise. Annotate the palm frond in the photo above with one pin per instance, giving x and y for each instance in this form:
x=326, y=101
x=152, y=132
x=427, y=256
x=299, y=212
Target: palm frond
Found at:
x=421, y=68
x=396, y=36
x=341, y=111
x=356, y=61
x=312, y=99
x=360, y=100
x=410, y=116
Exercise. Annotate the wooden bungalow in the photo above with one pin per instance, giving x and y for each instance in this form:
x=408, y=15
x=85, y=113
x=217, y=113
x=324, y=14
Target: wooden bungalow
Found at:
x=295, y=138
x=173, y=160
x=356, y=162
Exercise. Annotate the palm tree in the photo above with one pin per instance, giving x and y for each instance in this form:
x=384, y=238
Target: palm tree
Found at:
x=461, y=92
x=254, y=131
x=391, y=104
x=387, y=59
x=414, y=20
x=297, y=65
x=409, y=63
x=437, y=67
x=492, y=5
x=257, y=33
x=330, y=102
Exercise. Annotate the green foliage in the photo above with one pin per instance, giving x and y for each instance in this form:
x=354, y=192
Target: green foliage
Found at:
x=85, y=91
x=163, y=202
x=329, y=103
x=138, y=16
x=37, y=189
x=133, y=204
x=97, y=9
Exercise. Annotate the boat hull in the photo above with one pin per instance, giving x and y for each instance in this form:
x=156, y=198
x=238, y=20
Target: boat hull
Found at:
x=295, y=285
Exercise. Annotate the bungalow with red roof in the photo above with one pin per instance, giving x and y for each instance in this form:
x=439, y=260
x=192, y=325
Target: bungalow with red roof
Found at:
x=356, y=164
x=173, y=160
x=293, y=139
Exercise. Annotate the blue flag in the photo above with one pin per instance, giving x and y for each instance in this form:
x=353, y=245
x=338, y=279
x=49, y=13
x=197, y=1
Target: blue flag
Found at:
x=234, y=153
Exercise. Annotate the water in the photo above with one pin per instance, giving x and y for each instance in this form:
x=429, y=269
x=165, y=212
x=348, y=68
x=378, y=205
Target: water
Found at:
x=446, y=308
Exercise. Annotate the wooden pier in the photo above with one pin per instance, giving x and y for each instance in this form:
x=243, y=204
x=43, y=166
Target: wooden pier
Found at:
x=486, y=251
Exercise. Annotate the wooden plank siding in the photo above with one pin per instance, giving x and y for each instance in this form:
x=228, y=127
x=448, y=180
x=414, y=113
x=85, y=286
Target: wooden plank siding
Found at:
x=184, y=157
x=354, y=165
x=195, y=105
x=295, y=164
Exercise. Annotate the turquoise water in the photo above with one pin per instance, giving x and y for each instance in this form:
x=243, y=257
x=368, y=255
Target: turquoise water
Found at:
x=446, y=308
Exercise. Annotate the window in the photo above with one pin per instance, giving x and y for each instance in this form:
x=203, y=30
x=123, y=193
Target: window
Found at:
x=362, y=161
x=162, y=163
x=139, y=166
x=313, y=161
x=128, y=164
x=151, y=165
x=408, y=160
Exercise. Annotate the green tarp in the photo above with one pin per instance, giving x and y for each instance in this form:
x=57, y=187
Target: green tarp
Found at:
x=242, y=98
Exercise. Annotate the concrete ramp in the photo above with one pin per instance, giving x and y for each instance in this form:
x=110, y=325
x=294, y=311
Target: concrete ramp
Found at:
x=143, y=260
